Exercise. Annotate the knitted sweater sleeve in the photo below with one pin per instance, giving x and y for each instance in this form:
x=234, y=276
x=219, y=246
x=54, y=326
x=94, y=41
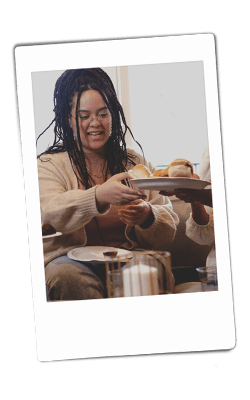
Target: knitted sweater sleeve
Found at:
x=163, y=229
x=161, y=232
x=201, y=234
x=62, y=205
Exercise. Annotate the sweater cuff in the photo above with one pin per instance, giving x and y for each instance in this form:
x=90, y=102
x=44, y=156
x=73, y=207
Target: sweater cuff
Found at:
x=149, y=226
x=149, y=221
x=190, y=223
x=88, y=202
x=201, y=234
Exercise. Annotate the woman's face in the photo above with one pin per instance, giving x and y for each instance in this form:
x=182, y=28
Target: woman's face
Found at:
x=94, y=121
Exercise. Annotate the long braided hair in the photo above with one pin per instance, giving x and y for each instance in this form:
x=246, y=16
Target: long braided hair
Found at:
x=75, y=82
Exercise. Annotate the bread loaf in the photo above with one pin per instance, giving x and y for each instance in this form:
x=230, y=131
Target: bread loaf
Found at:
x=178, y=168
x=139, y=171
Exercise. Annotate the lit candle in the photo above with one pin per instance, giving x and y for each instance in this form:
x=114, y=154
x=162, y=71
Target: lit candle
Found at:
x=140, y=280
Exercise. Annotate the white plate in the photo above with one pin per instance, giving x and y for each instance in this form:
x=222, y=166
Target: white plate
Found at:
x=169, y=184
x=95, y=253
x=52, y=236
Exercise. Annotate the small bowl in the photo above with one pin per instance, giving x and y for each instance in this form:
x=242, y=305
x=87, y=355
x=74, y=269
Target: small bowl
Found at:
x=208, y=278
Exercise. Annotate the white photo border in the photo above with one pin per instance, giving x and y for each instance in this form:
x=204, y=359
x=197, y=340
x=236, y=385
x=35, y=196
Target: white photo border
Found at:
x=139, y=325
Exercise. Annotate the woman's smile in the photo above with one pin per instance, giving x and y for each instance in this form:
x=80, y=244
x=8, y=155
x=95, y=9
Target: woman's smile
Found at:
x=94, y=133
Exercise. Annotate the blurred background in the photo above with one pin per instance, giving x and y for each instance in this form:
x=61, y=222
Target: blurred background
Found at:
x=163, y=104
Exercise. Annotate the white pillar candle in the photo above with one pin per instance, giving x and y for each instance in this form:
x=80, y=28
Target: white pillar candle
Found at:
x=140, y=280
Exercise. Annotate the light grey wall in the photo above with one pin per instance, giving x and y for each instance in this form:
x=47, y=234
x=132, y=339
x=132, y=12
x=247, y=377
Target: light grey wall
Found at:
x=167, y=105
x=168, y=110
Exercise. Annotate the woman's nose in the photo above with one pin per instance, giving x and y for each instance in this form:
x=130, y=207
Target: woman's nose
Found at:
x=94, y=120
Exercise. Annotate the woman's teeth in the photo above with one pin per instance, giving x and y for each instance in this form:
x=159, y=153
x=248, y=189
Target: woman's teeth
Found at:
x=94, y=134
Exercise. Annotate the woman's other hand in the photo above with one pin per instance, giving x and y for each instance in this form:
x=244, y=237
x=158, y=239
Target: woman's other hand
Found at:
x=114, y=192
x=138, y=212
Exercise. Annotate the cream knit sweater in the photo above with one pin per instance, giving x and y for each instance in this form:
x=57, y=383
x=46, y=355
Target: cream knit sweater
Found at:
x=204, y=234
x=68, y=209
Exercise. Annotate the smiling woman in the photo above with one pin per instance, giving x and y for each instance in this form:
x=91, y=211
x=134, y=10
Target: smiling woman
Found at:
x=84, y=188
x=90, y=90
x=94, y=122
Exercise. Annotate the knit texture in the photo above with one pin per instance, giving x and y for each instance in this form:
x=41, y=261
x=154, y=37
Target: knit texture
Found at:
x=204, y=234
x=68, y=209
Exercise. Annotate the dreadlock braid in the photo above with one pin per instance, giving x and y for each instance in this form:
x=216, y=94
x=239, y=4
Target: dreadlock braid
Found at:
x=75, y=82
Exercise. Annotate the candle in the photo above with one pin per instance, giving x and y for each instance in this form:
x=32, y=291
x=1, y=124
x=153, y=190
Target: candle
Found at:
x=140, y=280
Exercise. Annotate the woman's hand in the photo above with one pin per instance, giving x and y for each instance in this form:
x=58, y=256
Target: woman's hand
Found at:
x=138, y=212
x=114, y=192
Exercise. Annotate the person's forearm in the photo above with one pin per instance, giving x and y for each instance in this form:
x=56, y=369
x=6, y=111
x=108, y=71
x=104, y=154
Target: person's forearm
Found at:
x=199, y=214
x=205, y=197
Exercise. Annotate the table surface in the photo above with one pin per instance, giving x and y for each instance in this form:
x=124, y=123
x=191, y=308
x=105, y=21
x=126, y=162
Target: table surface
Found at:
x=188, y=287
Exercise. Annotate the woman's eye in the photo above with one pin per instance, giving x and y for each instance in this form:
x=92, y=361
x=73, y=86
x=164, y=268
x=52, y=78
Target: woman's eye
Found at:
x=103, y=115
x=83, y=116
